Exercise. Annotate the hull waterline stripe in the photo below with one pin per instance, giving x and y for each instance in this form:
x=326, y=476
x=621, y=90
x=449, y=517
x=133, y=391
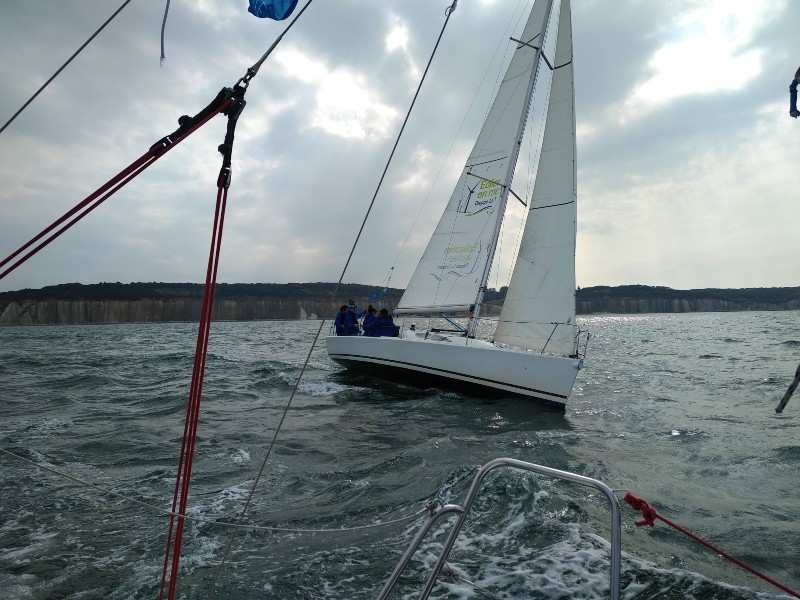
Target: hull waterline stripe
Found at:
x=454, y=374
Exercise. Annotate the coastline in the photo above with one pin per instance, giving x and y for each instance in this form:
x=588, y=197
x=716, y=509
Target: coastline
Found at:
x=175, y=302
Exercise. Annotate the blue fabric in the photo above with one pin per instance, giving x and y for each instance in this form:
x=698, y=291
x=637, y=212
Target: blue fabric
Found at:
x=375, y=295
x=793, y=96
x=388, y=331
x=272, y=9
x=387, y=328
x=350, y=323
x=370, y=324
x=339, y=322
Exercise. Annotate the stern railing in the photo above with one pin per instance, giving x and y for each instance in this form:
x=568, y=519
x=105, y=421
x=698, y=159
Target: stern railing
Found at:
x=462, y=512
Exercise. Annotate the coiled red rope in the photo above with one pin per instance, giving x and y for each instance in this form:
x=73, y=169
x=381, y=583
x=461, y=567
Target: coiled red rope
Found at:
x=650, y=515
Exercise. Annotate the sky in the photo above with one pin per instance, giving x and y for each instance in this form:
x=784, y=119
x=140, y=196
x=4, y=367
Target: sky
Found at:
x=685, y=146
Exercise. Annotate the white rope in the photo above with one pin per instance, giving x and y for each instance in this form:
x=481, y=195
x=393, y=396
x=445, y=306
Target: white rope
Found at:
x=200, y=519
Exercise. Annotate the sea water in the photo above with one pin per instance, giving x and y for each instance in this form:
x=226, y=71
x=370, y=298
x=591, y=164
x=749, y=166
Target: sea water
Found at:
x=678, y=409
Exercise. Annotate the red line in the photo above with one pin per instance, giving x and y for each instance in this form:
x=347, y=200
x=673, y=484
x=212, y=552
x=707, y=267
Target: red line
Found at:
x=183, y=480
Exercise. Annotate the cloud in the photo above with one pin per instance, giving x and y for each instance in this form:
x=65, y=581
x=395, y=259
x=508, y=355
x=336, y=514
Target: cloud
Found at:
x=685, y=150
x=709, y=50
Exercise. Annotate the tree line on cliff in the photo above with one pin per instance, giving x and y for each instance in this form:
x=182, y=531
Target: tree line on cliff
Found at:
x=74, y=302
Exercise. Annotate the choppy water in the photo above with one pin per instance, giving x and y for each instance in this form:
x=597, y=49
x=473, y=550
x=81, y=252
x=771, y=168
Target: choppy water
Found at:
x=677, y=408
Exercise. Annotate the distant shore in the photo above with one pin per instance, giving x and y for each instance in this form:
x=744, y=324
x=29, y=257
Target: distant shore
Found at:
x=165, y=302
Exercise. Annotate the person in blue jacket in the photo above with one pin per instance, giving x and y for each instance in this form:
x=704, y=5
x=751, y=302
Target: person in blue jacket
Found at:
x=386, y=326
x=351, y=326
x=371, y=322
x=793, y=112
x=338, y=322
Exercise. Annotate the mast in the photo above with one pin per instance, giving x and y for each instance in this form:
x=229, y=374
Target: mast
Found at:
x=512, y=163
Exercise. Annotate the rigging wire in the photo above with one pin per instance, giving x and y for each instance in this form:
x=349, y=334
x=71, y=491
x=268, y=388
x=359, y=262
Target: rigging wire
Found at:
x=183, y=478
x=193, y=408
x=230, y=101
x=78, y=51
x=251, y=73
x=449, y=11
x=511, y=25
x=187, y=126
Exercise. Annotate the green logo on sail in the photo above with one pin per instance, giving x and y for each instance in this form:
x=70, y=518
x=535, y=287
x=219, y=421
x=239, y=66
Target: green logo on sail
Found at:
x=452, y=251
x=460, y=258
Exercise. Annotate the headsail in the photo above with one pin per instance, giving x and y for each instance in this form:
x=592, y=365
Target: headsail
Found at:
x=539, y=307
x=454, y=265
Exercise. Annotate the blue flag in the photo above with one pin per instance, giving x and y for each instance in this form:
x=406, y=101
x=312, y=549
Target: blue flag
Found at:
x=272, y=9
x=375, y=295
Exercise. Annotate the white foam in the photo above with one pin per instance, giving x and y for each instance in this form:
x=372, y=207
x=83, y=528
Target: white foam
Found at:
x=314, y=387
x=241, y=457
x=44, y=426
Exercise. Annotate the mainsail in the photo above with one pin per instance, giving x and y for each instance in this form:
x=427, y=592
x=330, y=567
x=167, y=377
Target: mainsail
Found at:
x=456, y=261
x=539, y=309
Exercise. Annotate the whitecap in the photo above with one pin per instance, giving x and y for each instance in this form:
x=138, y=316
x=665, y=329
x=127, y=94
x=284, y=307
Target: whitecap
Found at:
x=241, y=457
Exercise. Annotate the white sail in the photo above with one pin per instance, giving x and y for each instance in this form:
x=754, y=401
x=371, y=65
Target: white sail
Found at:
x=539, y=309
x=454, y=265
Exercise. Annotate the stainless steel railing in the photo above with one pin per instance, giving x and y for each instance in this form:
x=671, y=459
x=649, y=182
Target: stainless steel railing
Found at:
x=448, y=509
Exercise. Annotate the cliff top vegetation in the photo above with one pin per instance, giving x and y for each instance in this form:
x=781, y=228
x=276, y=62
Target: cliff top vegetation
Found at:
x=325, y=290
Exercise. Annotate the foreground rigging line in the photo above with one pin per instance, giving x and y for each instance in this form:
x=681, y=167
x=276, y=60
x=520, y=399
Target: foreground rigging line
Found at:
x=166, y=512
x=251, y=72
x=78, y=51
x=187, y=126
x=789, y=392
x=650, y=515
x=183, y=478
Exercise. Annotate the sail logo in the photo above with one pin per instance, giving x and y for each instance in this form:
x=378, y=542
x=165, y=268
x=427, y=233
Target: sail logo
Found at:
x=471, y=190
x=460, y=260
x=489, y=188
x=488, y=192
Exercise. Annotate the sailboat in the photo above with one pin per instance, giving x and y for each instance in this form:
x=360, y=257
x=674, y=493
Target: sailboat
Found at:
x=536, y=348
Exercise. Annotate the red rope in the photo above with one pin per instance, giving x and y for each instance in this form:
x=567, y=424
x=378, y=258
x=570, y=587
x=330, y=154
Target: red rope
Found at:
x=230, y=102
x=96, y=198
x=183, y=479
x=650, y=515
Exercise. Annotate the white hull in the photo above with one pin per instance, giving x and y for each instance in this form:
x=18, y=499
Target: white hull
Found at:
x=457, y=361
